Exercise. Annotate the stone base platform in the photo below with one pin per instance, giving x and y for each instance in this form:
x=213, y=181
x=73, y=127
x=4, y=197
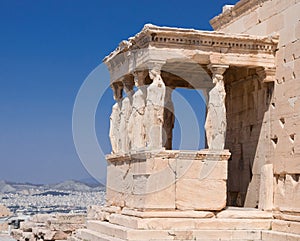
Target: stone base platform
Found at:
x=114, y=224
x=168, y=180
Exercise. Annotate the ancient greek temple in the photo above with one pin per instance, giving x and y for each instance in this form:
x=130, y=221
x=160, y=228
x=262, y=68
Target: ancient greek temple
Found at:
x=143, y=170
x=244, y=185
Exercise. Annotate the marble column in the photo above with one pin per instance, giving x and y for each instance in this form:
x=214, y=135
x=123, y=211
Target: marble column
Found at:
x=215, y=125
x=125, y=113
x=136, y=125
x=114, y=131
x=169, y=119
x=155, y=110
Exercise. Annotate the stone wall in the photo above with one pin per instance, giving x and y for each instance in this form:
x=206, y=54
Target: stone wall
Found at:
x=269, y=18
x=247, y=104
x=168, y=180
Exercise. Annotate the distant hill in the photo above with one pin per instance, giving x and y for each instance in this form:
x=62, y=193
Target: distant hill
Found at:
x=87, y=185
x=24, y=186
x=71, y=185
x=6, y=188
x=91, y=182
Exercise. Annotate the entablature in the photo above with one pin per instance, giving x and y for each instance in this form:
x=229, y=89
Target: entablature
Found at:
x=157, y=47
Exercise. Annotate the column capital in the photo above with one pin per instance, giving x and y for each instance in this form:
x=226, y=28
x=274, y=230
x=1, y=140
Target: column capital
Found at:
x=155, y=65
x=218, y=68
x=266, y=74
x=139, y=78
x=128, y=83
x=117, y=91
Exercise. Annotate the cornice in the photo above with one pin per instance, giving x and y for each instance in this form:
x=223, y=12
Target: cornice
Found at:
x=239, y=9
x=154, y=36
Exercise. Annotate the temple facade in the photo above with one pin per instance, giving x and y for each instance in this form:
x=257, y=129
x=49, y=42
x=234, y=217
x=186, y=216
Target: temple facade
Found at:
x=144, y=72
x=245, y=184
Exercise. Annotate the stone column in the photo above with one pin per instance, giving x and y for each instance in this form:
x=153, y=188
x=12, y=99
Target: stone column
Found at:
x=205, y=93
x=169, y=119
x=216, y=124
x=136, y=125
x=114, y=131
x=125, y=115
x=155, y=110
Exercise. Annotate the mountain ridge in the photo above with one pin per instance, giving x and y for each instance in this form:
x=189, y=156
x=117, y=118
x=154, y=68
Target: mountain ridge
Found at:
x=67, y=185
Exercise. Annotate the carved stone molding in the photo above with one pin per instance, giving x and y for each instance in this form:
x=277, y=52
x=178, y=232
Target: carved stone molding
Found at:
x=266, y=74
x=216, y=155
x=154, y=47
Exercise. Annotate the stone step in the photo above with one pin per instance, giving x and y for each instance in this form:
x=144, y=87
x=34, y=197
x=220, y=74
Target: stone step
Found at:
x=125, y=233
x=189, y=223
x=286, y=226
x=127, y=221
x=207, y=235
x=229, y=231
x=244, y=213
x=108, y=229
x=90, y=235
x=167, y=214
x=217, y=235
x=279, y=236
x=74, y=238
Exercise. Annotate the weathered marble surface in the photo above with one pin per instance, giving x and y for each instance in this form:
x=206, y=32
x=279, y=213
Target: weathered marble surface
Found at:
x=125, y=113
x=216, y=122
x=169, y=119
x=115, y=127
x=182, y=180
x=137, y=121
x=155, y=110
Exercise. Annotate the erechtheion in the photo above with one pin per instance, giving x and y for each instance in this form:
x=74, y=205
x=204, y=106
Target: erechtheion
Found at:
x=245, y=184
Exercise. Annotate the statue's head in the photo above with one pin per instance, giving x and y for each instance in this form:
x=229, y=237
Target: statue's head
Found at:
x=217, y=78
x=153, y=73
x=118, y=91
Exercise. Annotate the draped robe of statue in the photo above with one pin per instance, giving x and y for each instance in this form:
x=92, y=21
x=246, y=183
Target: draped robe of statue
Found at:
x=124, y=119
x=136, y=126
x=114, y=130
x=155, y=111
x=215, y=124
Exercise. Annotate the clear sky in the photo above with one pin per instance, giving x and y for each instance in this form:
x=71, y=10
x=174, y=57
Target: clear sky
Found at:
x=47, y=49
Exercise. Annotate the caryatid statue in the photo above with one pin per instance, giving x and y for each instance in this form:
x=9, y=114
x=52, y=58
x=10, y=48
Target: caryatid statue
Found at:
x=136, y=125
x=114, y=131
x=155, y=110
x=216, y=124
x=125, y=115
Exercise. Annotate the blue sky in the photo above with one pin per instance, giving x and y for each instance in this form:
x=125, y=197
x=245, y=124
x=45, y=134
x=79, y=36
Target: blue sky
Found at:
x=47, y=49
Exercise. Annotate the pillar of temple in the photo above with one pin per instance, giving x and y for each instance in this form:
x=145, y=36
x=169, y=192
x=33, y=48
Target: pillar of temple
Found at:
x=169, y=119
x=114, y=131
x=154, y=114
x=125, y=113
x=136, y=124
x=215, y=125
